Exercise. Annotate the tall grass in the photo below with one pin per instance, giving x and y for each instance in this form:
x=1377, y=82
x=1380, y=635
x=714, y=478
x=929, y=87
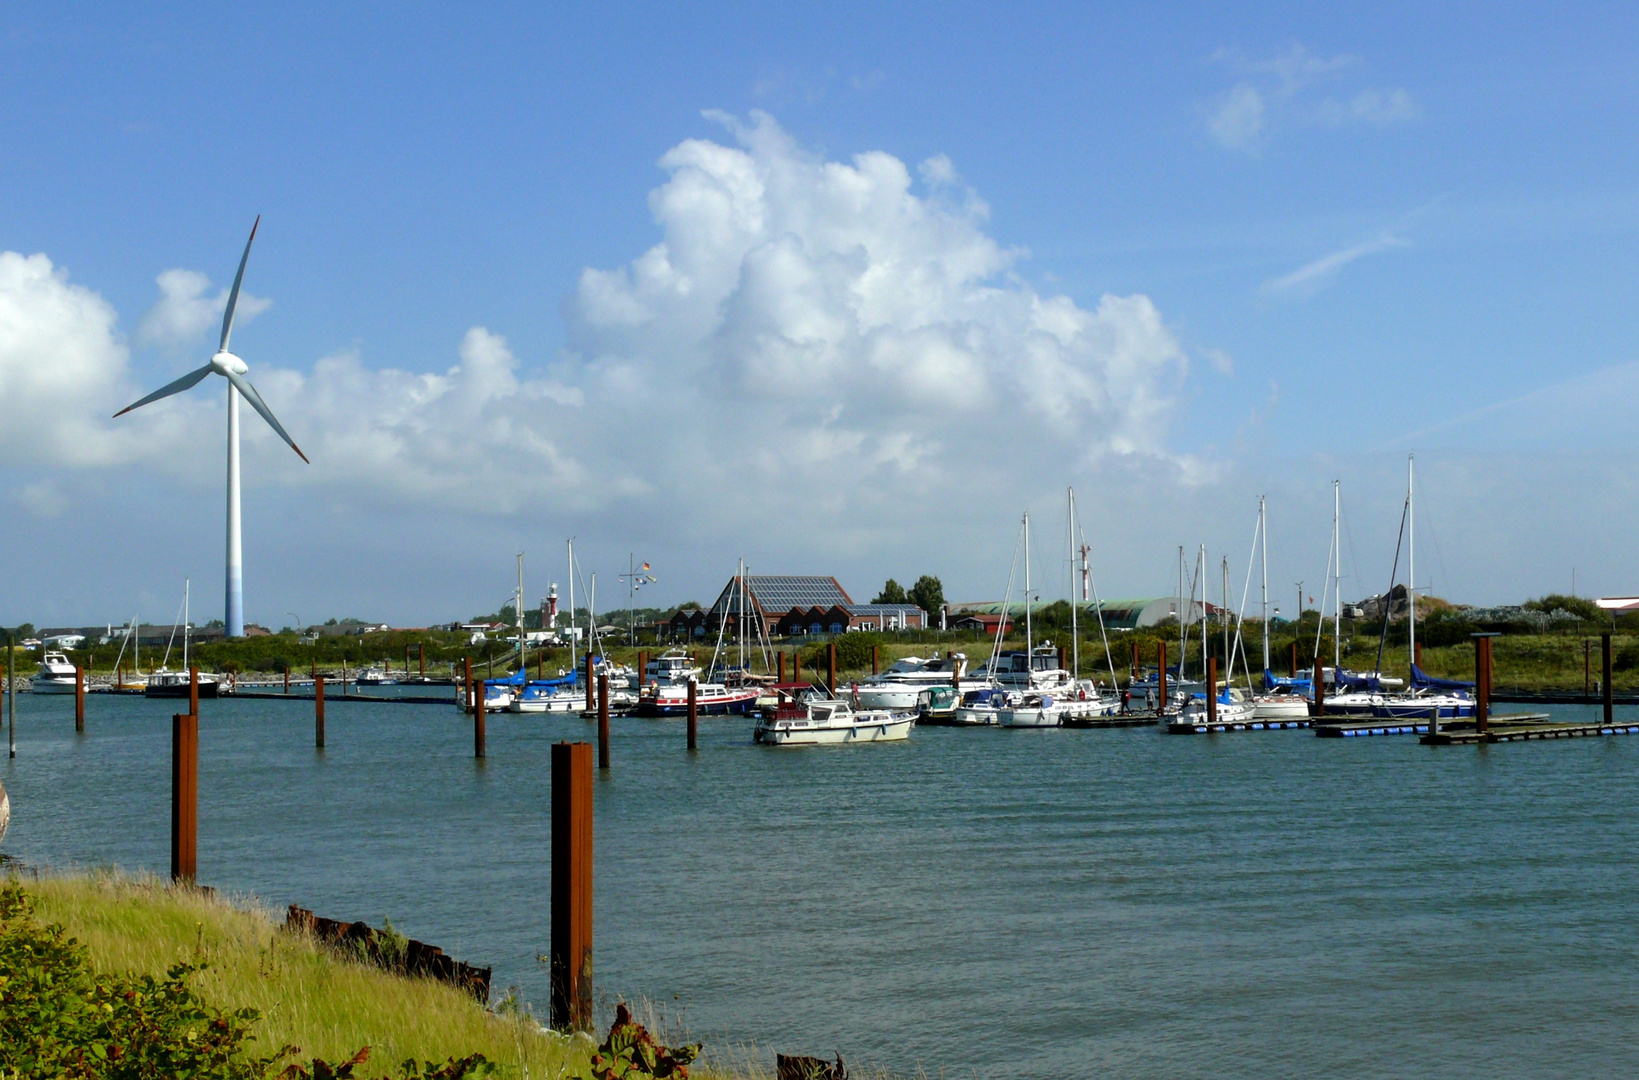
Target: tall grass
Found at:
x=307, y=995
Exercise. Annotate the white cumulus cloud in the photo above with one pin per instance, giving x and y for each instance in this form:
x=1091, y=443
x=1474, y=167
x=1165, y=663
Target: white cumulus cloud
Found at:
x=184, y=312
x=1287, y=88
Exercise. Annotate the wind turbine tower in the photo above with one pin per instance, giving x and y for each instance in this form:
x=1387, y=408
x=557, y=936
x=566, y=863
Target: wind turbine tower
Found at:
x=230, y=367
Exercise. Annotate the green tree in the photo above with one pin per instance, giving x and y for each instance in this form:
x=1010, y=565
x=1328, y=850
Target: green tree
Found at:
x=892, y=593
x=928, y=594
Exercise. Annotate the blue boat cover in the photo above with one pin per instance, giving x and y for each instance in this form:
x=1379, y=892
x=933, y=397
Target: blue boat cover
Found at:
x=1271, y=681
x=1421, y=679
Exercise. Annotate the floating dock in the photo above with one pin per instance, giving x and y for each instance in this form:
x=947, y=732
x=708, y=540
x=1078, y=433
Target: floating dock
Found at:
x=1521, y=728
x=1138, y=719
x=1218, y=727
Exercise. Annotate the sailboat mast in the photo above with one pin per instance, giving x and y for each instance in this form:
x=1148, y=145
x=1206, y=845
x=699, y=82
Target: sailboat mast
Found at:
x=1337, y=587
x=185, y=624
x=1075, y=626
x=1029, y=636
x=518, y=612
x=574, y=659
x=740, y=623
x=1229, y=661
x=1178, y=610
x=1411, y=560
x=1263, y=534
x=1200, y=576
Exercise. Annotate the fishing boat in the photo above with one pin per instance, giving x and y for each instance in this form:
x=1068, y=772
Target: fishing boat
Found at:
x=711, y=699
x=901, y=686
x=831, y=721
x=55, y=675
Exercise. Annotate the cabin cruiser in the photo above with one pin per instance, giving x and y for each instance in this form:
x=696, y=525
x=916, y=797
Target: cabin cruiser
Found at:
x=377, y=676
x=670, y=668
x=900, y=686
x=981, y=708
x=937, y=705
x=830, y=721
x=710, y=699
x=165, y=683
x=55, y=675
x=1037, y=670
x=1279, y=706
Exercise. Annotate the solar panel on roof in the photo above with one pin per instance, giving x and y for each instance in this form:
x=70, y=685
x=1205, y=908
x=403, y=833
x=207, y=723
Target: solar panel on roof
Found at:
x=782, y=592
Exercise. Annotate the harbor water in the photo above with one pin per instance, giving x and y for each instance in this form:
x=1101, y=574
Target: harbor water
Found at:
x=1037, y=903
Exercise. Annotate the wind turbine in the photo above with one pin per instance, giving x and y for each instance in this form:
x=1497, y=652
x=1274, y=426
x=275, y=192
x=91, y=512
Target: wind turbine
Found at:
x=233, y=369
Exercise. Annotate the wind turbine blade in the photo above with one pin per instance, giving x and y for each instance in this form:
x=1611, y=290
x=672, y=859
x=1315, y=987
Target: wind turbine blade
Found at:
x=260, y=406
x=233, y=297
x=169, y=388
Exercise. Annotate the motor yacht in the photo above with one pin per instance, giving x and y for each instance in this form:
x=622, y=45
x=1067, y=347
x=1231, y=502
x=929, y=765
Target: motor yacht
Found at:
x=831, y=721
x=900, y=686
x=55, y=675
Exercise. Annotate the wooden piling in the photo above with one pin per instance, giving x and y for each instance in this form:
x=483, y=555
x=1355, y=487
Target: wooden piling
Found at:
x=318, y=711
x=571, y=948
x=642, y=667
x=603, y=721
x=1161, y=676
x=1482, y=683
x=1320, y=690
x=1212, y=690
x=79, y=698
x=1132, y=669
x=287, y=678
x=478, y=723
x=11, y=693
x=782, y=666
x=874, y=660
x=466, y=679
x=422, y=647
x=694, y=712
x=1292, y=665
x=184, y=798
x=193, y=691
x=591, y=686
x=1605, y=690
x=831, y=669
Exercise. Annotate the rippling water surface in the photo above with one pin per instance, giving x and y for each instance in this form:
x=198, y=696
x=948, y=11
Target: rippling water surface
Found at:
x=991, y=903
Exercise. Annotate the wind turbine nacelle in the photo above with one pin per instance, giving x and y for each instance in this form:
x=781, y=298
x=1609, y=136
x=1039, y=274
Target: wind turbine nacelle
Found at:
x=225, y=362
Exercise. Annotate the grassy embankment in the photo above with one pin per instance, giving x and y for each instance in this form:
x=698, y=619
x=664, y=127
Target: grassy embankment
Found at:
x=307, y=995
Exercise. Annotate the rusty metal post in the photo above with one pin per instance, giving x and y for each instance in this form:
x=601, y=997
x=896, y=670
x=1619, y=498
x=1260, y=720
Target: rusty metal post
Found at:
x=422, y=648
x=318, y=711
x=79, y=698
x=1605, y=677
x=193, y=691
x=1320, y=690
x=694, y=714
x=1161, y=675
x=603, y=721
x=831, y=670
x=1482, y=684
x=874, y=660
x=1293, y=663
x=184, y=797
x=591, y=685
x=1587, y=669
x=466, y=682
x=1212, y=689
x=11, y=692
x=571, y=956
x=287, y=678
x=478, y=721
x=642, y=667
x=782, y=666
x=1132, y=669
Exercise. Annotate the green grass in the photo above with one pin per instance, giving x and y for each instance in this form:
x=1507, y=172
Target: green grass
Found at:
x=307, y=995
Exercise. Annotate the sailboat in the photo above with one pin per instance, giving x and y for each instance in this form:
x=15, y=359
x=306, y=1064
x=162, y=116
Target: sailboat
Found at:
x=165, y=683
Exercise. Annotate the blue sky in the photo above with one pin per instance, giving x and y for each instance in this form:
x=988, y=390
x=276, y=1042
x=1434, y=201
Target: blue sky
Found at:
x=1331, y=236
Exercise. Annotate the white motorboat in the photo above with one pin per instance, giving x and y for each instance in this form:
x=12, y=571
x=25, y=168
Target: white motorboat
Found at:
x=165, y=683
x=980, y=708
x=1280, y=707
x=831, y=721
x=1032, y=710
x=378, y=676
x=710, y=699
x=1232, y=708
x=670, y=668
x=54, y=676
x=900, y=686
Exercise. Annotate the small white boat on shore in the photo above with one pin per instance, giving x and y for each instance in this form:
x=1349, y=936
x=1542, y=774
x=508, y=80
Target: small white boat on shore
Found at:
x=55, y=675
x=831, y=722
